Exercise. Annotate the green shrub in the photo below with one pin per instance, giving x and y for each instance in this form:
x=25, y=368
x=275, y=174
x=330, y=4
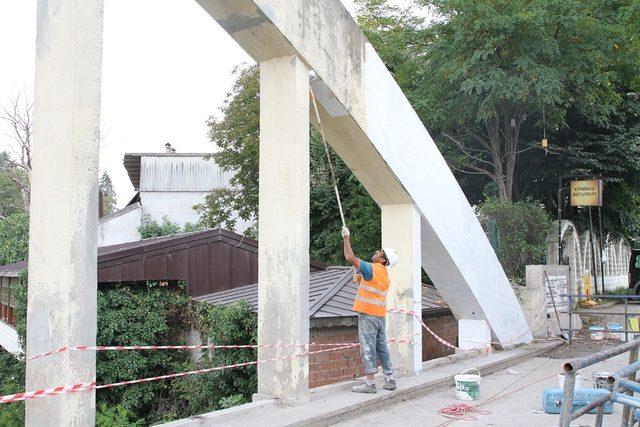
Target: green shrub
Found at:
x=147, y=314
x=231, y=324
x=522, y=229
x=11, y=381
x=150, y=228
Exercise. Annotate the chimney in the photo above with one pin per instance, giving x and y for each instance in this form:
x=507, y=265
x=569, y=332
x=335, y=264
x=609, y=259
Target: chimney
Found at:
x=100, y=204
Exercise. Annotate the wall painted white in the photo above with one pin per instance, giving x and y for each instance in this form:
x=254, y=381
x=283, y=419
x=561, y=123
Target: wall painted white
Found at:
x=175, y=205
x=9, y=338
x=121, y=226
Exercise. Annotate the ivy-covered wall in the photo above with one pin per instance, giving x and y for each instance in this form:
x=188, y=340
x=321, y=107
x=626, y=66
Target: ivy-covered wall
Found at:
x=153, y=313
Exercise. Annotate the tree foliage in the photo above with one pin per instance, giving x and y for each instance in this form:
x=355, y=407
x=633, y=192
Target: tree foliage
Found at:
x=236, y=134
x=10, y=193
x=108, y=194
x=569, y=69
x=522, y=232
x=153, y=313
x=150, y=228
x=14, y=238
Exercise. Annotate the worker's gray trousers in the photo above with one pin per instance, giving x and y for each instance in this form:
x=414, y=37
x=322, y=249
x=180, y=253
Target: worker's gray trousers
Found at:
x=373, y=343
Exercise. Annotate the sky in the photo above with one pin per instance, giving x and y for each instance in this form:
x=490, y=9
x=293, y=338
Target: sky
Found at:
x=166, y=68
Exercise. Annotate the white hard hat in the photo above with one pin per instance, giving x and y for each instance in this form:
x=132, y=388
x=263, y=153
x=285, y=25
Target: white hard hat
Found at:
x=392, y=256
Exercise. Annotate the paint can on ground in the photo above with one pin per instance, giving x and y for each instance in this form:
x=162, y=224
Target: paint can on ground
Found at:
x=596, y=333
x=615, y=331
x=578, y=380
x=600, y=380
x=467, y=385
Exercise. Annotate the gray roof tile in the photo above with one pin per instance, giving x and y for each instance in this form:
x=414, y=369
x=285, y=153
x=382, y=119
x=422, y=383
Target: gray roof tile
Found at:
x=331, y=294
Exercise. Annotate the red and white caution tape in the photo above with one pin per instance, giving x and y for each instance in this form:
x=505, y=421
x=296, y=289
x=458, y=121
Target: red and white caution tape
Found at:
x=163, y=347
x=91, y=386
x=56, y=391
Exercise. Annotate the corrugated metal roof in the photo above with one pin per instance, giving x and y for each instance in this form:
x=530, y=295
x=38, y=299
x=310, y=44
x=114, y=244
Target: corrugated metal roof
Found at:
x=181, y=174
x=174, y=172
x=331, y=294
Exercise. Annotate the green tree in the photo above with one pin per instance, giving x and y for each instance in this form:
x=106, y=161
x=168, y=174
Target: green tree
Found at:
x=108, y=193
x=10, y=194
x=236, y=134
x=14, y=238
x=488, y=76
x=522, y=229
x=150, y=228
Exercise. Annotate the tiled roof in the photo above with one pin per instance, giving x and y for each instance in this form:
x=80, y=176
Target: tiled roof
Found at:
x=331, y=294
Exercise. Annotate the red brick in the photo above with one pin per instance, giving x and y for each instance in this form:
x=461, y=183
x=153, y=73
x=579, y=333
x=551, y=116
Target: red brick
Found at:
x=342, y=363
x=327, y=366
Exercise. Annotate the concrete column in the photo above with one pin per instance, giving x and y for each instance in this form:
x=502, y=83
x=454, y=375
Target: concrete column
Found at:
x=64, y=209
x=283, y=257
x=401, y=231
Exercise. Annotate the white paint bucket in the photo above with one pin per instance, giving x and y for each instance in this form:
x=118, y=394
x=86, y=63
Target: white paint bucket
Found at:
x=615, y=331
x=596, y=333
x=600, y=380
x=467, y=385
x=561, y=380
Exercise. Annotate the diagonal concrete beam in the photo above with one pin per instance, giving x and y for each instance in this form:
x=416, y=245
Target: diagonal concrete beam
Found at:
x=372, y=126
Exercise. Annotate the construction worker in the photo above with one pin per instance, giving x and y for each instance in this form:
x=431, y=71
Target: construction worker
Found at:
x=371, y=305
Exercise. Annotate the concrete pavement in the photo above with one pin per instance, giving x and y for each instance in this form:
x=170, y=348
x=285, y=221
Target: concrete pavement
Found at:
x=520, y=404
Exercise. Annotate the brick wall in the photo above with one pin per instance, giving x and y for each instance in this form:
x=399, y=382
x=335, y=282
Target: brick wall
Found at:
x=335, y=366
x=445, y=326
x=342, y=365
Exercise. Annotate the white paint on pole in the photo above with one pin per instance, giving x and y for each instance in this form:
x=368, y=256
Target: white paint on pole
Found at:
x=64, y=208
x=401, y=231
x=283, y=253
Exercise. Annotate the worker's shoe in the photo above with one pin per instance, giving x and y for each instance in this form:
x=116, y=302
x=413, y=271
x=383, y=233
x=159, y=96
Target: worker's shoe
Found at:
x=365, y=388
x=389, y=384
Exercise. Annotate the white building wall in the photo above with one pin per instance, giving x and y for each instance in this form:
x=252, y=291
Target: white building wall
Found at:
x=175, y=205
x=120, y=227
x=178, y=207
x=9, y=338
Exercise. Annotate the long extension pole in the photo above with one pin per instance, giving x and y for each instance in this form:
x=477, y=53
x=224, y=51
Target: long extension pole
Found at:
x=326, y=150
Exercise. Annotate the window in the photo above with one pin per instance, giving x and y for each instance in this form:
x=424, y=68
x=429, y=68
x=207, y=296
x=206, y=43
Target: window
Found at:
x=636, y=264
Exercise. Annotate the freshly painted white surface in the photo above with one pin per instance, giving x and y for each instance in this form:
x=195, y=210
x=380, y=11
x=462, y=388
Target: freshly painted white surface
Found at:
x=473, y=334
x=9, y=338
x=177, y=206
x=61, y=306
x=386, y=146
x=401, y=231
x=283, y=253
x=120, y=227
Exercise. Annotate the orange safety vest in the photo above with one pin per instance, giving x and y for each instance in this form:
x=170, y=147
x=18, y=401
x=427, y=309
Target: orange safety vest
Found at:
x=372, y=294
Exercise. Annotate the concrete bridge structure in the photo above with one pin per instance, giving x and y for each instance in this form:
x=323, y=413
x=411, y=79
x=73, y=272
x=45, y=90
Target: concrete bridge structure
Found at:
x=367, y=120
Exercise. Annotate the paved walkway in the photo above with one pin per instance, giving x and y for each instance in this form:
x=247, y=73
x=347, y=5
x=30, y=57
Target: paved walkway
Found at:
x=331, y=404
x=520, y=404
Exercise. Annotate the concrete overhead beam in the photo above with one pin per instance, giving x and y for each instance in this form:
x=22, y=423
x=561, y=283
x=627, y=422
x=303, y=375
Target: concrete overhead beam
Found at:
x=374, y=129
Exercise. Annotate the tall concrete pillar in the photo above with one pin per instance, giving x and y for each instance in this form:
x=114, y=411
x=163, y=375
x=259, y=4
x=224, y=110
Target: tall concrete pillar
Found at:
x=64, y=209
x=283, y=254
x=401, y=231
